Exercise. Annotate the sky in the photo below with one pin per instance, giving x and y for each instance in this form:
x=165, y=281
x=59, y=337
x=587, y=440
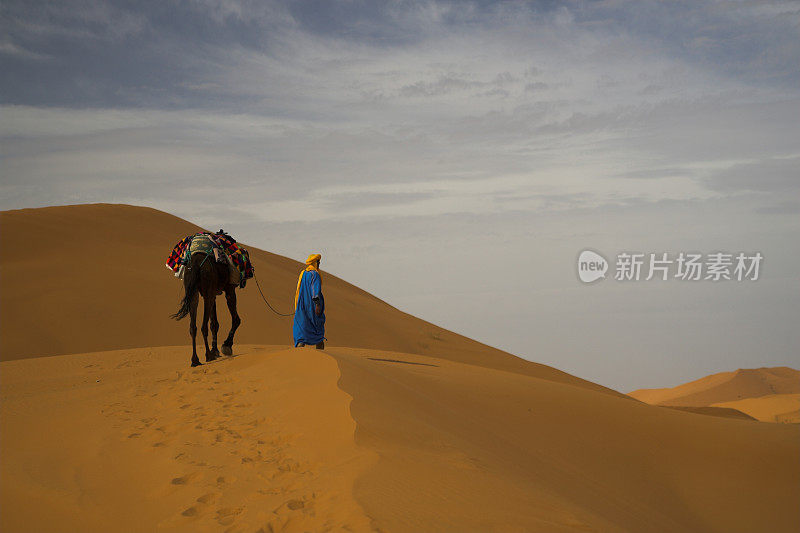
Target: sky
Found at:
x=452, y=158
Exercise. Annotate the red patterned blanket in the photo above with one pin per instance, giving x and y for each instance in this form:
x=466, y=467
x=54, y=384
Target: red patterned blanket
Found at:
x=239, y=256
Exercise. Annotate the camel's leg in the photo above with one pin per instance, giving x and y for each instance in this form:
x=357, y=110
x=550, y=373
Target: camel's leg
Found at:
x=208, y=303
x=230, y=298
x=214, y=329
x=193, y=329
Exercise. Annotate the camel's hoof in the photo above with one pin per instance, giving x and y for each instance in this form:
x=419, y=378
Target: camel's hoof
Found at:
x=227, y=350
x=211, y=357
x=196, y=363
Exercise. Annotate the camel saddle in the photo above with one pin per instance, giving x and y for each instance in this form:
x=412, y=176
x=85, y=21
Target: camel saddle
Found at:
x=205, y=244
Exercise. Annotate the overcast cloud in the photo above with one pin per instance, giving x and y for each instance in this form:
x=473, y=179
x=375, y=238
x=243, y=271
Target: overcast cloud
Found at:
x=452, y=158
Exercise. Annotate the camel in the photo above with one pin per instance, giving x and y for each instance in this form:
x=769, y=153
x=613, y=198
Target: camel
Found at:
x=207, y=278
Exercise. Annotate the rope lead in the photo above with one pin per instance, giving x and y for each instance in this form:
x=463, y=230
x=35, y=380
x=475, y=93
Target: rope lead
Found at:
x=265, y=300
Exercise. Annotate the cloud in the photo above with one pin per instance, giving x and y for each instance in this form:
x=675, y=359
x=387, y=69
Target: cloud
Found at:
x=536, y=86
x=10, y=49
x=111, y=54
x=774, y=175
x=782, y=208
x=656, y=173
x=443, y=86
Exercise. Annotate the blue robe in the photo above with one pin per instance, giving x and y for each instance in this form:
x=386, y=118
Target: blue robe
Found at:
x=308, y=326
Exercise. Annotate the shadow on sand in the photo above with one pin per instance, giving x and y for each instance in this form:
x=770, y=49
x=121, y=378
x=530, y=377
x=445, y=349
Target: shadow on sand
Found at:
x=398, y=361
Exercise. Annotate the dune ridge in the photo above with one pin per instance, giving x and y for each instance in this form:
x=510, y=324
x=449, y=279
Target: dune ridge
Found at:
x=499, y=447
x=714, y=410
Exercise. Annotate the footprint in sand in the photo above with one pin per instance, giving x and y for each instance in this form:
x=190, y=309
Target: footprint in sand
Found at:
x=289, y=466
x=227, y=515
x=294, y=505
x=207, y=498
x=285, y=514
x=191, y=511
x=186, y=479
x=202, y=504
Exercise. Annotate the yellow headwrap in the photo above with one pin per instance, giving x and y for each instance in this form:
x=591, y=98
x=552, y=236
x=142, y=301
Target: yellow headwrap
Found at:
x=311, y=262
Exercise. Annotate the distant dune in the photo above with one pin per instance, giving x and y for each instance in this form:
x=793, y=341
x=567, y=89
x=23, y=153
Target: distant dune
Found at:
x=781, y=408
x=397, y=426
x=725, y=387
x=766, y=394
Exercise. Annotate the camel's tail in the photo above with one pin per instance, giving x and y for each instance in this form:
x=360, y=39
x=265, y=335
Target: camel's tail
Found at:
x=191, y=286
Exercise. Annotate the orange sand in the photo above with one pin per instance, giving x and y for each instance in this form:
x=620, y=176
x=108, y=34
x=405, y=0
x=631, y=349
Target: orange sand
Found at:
x=782, y=408
x=133, y=440
x=725, y=412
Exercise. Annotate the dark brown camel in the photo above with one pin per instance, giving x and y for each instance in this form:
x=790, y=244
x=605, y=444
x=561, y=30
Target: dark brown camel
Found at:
x=207, y=278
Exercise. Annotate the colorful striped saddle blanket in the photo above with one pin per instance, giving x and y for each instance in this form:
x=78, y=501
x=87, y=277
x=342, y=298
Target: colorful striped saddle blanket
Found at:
x=207, y=242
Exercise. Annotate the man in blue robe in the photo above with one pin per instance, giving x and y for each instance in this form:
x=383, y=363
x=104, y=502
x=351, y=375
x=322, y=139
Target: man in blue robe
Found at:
x=309, y=306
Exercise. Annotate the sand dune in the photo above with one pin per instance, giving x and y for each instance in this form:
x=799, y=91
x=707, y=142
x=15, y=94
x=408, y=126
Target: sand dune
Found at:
x=409, y=428
x=782, y=408
x=725, y=387
x=72, y=280
x=766, y=394
x=549, y=457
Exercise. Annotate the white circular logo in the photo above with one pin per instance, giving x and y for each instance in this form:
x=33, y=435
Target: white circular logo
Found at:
x=591, y=266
